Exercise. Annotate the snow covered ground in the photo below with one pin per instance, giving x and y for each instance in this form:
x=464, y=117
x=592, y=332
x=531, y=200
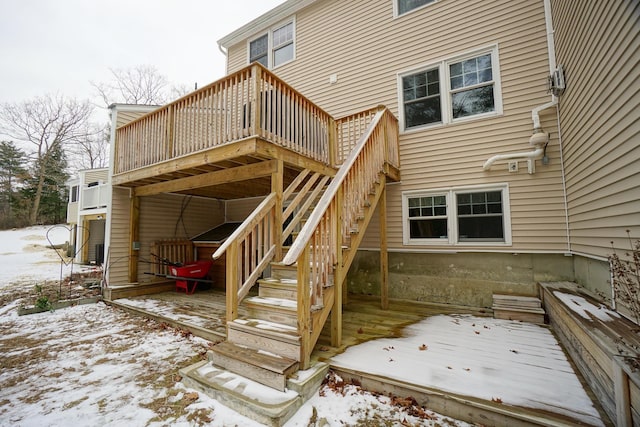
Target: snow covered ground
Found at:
x=24, y=256
x=94, y=365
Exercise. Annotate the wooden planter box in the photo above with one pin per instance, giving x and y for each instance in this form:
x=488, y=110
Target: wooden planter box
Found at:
x=593, y=347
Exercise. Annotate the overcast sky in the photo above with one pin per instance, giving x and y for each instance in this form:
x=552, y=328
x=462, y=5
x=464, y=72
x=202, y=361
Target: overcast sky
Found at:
x=59, y=46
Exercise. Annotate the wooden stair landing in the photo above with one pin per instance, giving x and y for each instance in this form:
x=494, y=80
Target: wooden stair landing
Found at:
x=266, y=368
x=521, y=308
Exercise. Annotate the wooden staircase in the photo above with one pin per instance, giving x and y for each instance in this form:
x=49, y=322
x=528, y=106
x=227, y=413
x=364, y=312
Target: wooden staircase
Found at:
x=327, y=217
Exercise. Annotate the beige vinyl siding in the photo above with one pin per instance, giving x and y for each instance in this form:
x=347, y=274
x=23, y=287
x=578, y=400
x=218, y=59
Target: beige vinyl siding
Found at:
x=168, y=216
x=95, y=175
x=598, y=44
x=164, y=216
x=366, y=47
x=125, y=115
x=237, y=210
x=117, y=258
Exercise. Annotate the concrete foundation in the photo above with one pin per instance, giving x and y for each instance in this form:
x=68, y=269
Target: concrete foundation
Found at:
x=468, y=279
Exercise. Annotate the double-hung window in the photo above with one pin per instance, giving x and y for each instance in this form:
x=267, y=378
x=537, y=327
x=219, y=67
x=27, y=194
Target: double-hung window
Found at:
x=457, y=216
x=274, y=48
x=451, y=90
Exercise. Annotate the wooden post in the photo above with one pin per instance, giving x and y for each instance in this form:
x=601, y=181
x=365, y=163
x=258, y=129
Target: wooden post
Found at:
x=277, y=187
x=338, y=275
x=134, y=237
x=256, y=96
x=384, y=258
x=333, y=142
x=621, y=395
x=304, y=309
x=232, y=281
x=170, y=131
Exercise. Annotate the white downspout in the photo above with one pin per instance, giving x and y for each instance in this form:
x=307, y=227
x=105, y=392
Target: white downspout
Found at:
x=539, y=139
x=526, y=155
x=226, y=61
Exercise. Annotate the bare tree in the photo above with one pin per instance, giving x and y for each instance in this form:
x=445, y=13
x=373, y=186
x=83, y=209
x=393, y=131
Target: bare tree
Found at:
x=92, y=151
x=48, y=124
x=139, y=85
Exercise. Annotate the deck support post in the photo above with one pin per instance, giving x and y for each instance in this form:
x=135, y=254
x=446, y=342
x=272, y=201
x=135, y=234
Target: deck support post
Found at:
x=277, y=187
x=384, y=256
x=304, y=309
x=134, y=237
x=231, y=291
x=338, y=275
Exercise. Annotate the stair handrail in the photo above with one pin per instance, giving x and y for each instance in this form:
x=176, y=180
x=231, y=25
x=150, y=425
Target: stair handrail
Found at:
x=251, y=220
x=313, y=221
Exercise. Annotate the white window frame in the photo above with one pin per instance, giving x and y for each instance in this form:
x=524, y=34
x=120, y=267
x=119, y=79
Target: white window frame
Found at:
x=396, y=8
x=446, y=92
x=270, y=46
x=452, y=216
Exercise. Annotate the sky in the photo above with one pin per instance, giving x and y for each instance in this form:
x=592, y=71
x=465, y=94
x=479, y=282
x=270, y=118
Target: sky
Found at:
x=60, y=46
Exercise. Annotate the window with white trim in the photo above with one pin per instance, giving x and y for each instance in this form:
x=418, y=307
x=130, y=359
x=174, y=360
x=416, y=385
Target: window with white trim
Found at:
x=451, y=90
x=73, y=197
x=404, y=6
x=259, y=50
x=457, y=216
x=274, y=48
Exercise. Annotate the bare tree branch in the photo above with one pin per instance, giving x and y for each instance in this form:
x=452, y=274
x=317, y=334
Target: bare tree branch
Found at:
x=48, y=124
x=139, y=85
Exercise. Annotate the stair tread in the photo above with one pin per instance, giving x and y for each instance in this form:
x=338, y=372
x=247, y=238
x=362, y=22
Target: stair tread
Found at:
x=265, y=360
x=520, y=309
x=288, y=333
x=272, y=281
x=280, y=304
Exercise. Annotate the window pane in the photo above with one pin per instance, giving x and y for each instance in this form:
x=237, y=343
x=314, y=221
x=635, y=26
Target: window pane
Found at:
x=405, y=6
x=422, y=112
x=473, y=101
x=282, y=54
x=480, y=216
x=283, y=35
x=488, y=228
x=485, y=76
x=470, y=79
x=421, y=92
x=469, y=65
x=455, y=69
x=258, y=49
x=484, y=61
x=428, y=228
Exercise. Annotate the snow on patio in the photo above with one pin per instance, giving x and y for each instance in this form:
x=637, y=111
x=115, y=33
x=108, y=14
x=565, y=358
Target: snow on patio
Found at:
x=96, y=365
x=516, y=363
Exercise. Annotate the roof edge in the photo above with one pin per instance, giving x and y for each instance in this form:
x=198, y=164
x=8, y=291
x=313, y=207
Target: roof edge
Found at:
x=265, y=20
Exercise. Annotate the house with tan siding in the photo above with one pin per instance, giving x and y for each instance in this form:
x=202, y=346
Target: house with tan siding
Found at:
x=428, y=150
x=89, y=197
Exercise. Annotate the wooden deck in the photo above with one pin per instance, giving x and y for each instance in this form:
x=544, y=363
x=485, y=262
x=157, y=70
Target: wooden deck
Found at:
x=203, y=313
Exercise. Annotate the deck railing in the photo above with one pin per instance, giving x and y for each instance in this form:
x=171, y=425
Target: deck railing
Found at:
x=222, y=112
x=249, y=250
x=96, y=196
x=166, y=252
x=329, y=226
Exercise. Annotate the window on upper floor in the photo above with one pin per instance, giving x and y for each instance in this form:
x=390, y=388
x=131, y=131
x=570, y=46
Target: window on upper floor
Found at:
x=404, y=6
x=451, y=90
x=73, y=197
x=274, y=48
x=457, y=216
x=259, y=50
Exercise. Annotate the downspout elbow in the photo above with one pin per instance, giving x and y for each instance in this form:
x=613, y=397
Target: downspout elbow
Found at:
x=535, y=154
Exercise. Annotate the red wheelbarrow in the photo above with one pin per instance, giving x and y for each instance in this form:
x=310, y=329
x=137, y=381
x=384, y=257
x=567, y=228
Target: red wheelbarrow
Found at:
x=188, y=276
